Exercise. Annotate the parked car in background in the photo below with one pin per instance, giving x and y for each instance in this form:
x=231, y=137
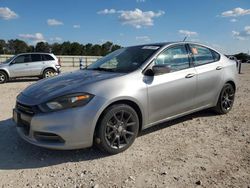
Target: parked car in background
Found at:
x=42, y=65
x=123, y=93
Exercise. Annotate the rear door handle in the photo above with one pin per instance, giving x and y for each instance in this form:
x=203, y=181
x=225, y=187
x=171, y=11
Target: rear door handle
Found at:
x=190, y=75
x=219, y=68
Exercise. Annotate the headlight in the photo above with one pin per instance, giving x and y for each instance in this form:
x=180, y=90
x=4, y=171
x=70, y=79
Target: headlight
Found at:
x=67, y=101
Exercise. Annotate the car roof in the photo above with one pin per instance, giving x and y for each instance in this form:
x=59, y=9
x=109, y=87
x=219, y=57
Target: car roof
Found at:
x=35, y=53
x=163, y=44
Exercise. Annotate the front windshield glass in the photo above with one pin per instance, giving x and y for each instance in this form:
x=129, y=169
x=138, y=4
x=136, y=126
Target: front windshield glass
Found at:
x=8, y=60
x=124, y=60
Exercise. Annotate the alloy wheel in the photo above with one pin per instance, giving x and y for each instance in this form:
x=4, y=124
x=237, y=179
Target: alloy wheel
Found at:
x=227, y=98
x=120, y=129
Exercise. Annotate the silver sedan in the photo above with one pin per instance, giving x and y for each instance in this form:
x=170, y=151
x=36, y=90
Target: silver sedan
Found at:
x=123, y=93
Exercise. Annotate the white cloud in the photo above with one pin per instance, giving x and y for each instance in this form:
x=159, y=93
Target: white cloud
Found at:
x=54, y=22
x=107, y=11
x=140, y=1
x=7, y=14
x=188, y=33
x=143, y=38
x=56, y=39
x=233, y=20
x=136, y=18
x=77, y=26
x=235, y=12
x=242, y=35
x=37, y=37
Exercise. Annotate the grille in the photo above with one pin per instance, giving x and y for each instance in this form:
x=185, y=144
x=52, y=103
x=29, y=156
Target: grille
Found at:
x=25, y=109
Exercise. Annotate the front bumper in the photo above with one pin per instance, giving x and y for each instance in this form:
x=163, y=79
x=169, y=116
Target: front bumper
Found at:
x=66, y=129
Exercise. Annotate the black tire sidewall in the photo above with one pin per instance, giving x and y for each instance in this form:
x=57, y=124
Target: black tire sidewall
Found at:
x=46, y=70
x=219, y=105
x=102, y=128
x=5, y=76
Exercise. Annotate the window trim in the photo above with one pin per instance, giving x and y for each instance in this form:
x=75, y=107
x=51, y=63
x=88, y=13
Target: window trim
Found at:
x=14, y=60
x=211, y=51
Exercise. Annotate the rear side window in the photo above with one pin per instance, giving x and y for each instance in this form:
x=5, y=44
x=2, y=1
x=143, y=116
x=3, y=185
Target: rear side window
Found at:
x=36, y=57
x=201, y=55
x=47, y=57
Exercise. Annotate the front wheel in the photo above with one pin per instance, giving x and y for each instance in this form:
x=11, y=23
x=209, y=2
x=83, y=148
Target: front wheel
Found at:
x=226, y=99
x=117, y=129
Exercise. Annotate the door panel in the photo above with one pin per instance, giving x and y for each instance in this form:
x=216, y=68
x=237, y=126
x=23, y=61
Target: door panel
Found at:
x=209, y=80
x=36, y=65
x=209, y=75
x=171, y=94
x=19, y=66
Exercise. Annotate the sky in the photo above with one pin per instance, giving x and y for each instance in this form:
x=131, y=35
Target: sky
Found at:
x=221, y=24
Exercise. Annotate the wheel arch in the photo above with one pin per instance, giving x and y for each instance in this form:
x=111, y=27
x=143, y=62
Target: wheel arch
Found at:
x=47, y=68
x=6, y=72
x=129, y=102
x=232, y=83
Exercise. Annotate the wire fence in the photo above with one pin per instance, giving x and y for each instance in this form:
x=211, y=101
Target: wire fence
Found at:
x=66, y=61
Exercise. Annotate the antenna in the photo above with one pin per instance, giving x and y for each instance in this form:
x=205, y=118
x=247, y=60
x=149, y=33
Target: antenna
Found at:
x=185, y=38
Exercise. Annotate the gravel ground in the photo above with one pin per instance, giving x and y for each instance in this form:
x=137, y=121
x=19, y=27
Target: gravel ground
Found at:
x=202, y=149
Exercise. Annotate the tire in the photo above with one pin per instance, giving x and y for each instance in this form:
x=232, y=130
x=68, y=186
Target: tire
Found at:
x=3, y=77
x=117, y=129
x=226, y=99
x=47, y=73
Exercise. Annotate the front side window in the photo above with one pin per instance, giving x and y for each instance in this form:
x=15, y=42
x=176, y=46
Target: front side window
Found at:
x=176, y=58
x=23, y=59
x=201, y=55
x=124, y=60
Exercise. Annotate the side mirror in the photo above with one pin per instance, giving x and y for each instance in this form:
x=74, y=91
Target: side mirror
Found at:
x=161, y=69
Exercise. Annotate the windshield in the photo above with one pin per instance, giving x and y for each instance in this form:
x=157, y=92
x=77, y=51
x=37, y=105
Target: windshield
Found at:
x=124, y=60
x=8, y=60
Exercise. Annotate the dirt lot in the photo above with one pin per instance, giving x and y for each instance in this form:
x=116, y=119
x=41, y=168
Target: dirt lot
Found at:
x=202, y=149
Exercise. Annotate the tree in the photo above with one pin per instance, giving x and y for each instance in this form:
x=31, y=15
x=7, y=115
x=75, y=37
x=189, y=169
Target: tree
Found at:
x=42, y=47
x=2, y=46
x=76, y=49
x=66, y=48
x=242, y=56
x=17, y=46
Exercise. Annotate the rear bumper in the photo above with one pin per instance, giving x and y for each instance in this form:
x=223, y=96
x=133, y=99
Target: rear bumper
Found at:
x=58, y=69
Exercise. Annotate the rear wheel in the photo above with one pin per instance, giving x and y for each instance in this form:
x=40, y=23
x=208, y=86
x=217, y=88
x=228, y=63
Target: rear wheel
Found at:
x=49, y=73
x=226, y=99
x=3, y=77
x=117, y=129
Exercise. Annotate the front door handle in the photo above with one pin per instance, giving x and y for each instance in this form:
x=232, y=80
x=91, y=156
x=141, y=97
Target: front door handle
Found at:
x=219, y=68
x=190, y=75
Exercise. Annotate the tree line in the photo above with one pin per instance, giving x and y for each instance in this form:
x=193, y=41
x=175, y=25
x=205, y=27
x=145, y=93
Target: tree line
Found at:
x=16, y=46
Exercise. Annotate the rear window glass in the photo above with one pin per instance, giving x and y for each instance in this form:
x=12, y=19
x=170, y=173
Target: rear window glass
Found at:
x=48, y=57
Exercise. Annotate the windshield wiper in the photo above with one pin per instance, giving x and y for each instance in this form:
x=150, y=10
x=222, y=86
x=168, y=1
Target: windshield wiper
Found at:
x=101, y=69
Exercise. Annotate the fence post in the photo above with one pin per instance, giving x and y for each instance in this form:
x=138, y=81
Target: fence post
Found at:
x=86, y=61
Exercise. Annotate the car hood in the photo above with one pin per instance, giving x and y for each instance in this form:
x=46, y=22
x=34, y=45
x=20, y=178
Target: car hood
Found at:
x=64, y=84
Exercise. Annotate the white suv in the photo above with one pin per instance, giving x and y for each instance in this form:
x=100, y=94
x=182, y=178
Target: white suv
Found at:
x=42, y=65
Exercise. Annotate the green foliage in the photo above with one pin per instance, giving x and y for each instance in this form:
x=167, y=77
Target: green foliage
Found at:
x=66, y=48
